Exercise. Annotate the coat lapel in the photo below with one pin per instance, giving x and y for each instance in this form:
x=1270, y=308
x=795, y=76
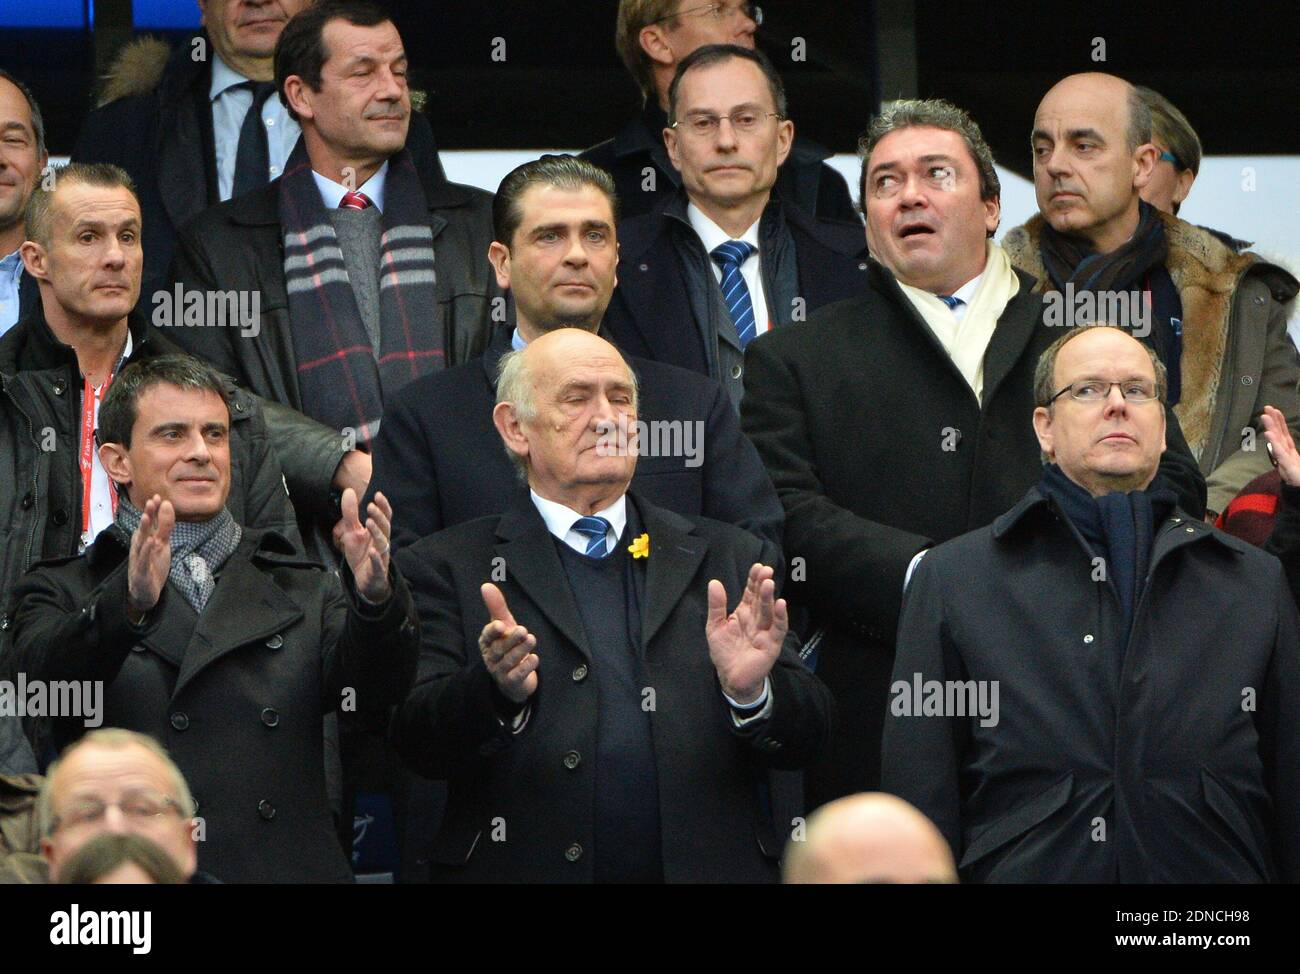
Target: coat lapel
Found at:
x=246, y=606
x=671, y=568
x=1013, y=333
x=531, y=560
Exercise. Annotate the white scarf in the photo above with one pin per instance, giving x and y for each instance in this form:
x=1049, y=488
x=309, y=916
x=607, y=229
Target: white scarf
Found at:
x=967, y=340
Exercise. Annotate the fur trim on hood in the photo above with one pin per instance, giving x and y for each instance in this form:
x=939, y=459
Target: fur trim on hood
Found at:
x=136, y=70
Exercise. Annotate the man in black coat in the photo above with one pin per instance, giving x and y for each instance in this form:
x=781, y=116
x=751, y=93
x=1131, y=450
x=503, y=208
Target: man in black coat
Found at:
x=438, y=456
x=597, y=712
x=653, y=37
x=223, y=643
x=1099, y=687
x=869, y=419
x=724, y=259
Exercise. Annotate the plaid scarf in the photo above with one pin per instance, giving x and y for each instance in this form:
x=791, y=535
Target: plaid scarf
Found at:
x=199, y=549
x=1070, y=259
x=342, y=378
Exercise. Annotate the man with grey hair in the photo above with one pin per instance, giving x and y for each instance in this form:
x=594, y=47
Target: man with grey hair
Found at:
x=1063, y=706
x=586, y=622
x=22, y=159
x=1216, y=318
x=896, y=420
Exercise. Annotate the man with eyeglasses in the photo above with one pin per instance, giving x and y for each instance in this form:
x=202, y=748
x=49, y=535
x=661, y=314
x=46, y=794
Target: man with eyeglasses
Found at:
x=1142, y=667
x=110, y=781
x=725, y=258
x=653, y=37
x=898, y=420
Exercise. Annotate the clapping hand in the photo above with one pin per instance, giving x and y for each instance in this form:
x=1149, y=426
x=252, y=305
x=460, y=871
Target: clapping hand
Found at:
x=744, y=645
x=366, y=546
x=507, y=648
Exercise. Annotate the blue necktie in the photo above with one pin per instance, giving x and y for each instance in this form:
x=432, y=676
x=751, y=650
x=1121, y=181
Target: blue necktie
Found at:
x=729, y=256
x=594, y=528
x=950, y=301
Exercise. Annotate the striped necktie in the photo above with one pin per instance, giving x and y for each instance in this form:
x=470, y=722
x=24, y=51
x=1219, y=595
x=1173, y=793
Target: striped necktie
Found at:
x=950, y=301
x=354, y=201
x=594, y=529
x=729, y=256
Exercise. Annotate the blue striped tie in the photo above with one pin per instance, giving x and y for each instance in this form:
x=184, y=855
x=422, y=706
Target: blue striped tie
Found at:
x=950, y=301
x=729, y=256
x=595, y=529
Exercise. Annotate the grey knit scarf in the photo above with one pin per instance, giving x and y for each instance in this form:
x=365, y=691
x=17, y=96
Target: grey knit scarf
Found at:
x=199, y=549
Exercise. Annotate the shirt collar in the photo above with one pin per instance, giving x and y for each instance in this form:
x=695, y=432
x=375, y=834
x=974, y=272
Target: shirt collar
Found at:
x=517, y=343
x=12, y=265
x=712, y=235
x=332, y=193
x=224, y=77
x=967, y=291
x=559, y=519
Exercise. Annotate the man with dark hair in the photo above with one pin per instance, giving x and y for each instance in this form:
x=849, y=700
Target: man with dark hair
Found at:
x=370, y=273
x=58, y=363
x=653, y=37
x=1217, y=318
x=22, y=158
x=724, y=260
x=222, y=642
x=1098, y=687
x=897, y=420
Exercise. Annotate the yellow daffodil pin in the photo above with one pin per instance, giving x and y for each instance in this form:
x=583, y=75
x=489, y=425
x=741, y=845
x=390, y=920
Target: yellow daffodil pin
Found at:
x=640, y=548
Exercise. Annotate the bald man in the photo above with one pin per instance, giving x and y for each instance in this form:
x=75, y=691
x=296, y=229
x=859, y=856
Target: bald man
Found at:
x=1216, y=318
x=870, y=838
x=589, y=661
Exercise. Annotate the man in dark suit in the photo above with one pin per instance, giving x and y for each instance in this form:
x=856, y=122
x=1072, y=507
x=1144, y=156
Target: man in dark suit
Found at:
x=898, y=419
x=556, y=252
x=222, y=642
x=598, y=713
x=723, y=259
x=653, y=37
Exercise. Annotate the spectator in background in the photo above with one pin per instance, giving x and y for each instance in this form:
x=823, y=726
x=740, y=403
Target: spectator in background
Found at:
x=653, y=37
x=724, y=259
x=869, y=838
x=1216, y=318
x=22, y=158
x=117, y=860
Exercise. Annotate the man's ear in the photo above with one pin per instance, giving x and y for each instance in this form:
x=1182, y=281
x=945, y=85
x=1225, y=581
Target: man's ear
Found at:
x=618, y=255
x=992, y=215
x=784, y=139
x=1184, y=185
x=298, y=95
x=670, y=143
x=1144, y=164
x=499, y=258
x=33, y=256
x=511, y=431
x=116, y=463
x=654, y=41
x=1043, y=430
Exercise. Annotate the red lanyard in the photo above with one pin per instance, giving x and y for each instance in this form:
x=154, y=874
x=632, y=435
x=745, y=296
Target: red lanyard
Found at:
x=91, y=398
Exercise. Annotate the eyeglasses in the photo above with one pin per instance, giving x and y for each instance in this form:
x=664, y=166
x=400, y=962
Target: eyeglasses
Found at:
x=720, y=11
x=140, y=808
x=1167, y=156
x=744, y=120
x=1098, y=390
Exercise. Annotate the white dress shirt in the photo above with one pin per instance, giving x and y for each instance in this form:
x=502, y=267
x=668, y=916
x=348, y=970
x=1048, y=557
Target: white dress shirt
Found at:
x=230, y=105
x=101, y=498
x=332, y=193
x=560, y=520
x=712, y=236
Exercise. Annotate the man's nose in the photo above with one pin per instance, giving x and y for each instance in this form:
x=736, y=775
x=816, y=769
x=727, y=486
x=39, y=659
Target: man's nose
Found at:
x=726, y=137
x=198, y=450
x=1116, y=404
x=577, y=254
x=115, y=820
x=390, y=86
x=1057, y=161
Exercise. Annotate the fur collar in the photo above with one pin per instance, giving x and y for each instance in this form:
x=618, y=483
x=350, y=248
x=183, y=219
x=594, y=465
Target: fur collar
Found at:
x=137, y=69
x=1206, y=274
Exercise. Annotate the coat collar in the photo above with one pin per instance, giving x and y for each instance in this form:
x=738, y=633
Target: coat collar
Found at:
x=676, y=553
x=30, y=346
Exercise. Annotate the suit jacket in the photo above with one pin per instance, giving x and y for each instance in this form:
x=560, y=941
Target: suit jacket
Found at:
x=440, y=461
x=236, y=694
x=713, y=826
x=1140, y=730
x=878, y=448
x=805, y=179
x=665, y=284
x=155, y=121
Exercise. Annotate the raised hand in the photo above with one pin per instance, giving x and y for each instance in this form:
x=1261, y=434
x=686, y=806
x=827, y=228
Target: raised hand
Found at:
x=507, y=648
x=366, y=546
x=744, y=645
x=1285, y=454
x=151, y=556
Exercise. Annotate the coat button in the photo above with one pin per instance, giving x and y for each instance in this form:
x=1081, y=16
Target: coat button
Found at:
x=180, y=721
x=572, y=760
x=59, y=386
x=1247, y=380
x=266, y=809
x=736, y=370
x=862, y=266
x=27, y=502
x=275, y=642
x=239, y=407
x=644, y=267
x=59, y=517
x=1088, y=639
x=137, y=648
x=270, y=718
x=1259, y=299
x=4, y=623
x=573, y=853
x=579, y=672
x=1190, y=530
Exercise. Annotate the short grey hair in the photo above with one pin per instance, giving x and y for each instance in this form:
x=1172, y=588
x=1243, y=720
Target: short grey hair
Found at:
x=1045, y=371
x=37, y=218
x=111, y=738
x=930, y=113
x=38, y=121
x=1173, y=129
